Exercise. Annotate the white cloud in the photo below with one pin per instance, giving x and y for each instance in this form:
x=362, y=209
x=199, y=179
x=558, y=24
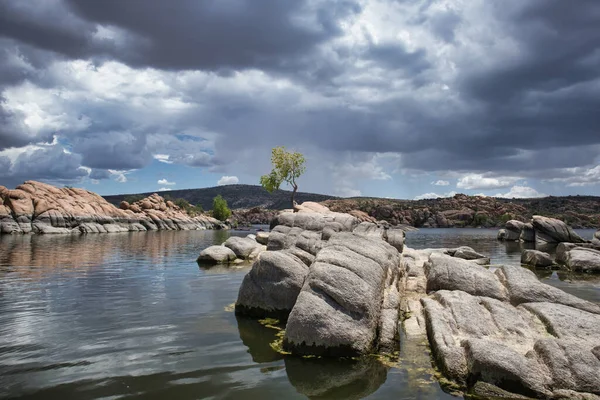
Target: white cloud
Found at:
x=357, y=167
x=479, y=181
x=165, y=182
x=228, y=180
x=521, y=192
x=435, y=195
x=119, y=175
x=579, y=176
x=440, y=183
x=163, y=158
x=163, y=189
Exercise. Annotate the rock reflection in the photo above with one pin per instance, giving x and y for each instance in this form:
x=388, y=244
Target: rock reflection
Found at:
x=26, y=253
x=321, y=378
x=258, y=339
x=549, y=248
x=541, y=273
x=568, y=276
x=517, y=247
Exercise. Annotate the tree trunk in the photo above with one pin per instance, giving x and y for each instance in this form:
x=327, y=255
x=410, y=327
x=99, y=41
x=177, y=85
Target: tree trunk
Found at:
x=294, y=193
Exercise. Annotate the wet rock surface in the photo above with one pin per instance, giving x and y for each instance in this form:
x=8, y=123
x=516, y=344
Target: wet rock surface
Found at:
x=36, y=207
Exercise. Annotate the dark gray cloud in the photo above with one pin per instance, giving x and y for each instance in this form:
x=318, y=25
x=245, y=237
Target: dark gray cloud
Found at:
x=494, y=87
x=49, y=163
x=99, y=174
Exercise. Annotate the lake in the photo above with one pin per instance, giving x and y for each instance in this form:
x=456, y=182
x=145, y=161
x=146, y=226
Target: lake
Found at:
x=132, y=316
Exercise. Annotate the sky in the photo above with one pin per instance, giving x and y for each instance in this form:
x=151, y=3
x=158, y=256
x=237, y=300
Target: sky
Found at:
x=389, y=98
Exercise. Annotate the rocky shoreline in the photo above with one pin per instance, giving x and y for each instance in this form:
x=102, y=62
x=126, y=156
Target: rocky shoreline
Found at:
x=345, y=288
x=36, y=207
x=572, y=252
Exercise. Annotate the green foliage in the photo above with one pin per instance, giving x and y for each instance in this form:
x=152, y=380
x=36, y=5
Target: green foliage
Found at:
x=220, y=209
x=480, y=220
x=188, y=208
x=287, y=167
x=505, y=218
x=133, y=198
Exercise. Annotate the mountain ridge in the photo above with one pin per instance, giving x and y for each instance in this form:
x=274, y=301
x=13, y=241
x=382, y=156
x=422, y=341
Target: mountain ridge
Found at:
x=237, y=196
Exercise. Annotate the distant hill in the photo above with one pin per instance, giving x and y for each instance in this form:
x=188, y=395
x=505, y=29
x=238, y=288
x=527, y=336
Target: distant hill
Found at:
x=237, y=196
x=458, y=211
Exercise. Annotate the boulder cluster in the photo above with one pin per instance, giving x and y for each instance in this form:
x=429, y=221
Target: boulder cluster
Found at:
x=36, y=207
x=572, y=251
x=235, y=250
x=344, y=288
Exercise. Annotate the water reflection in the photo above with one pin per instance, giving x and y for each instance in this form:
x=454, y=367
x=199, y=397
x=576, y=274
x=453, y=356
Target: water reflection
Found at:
x=258, y=339
x=321, y=378
x=517, y=247
x=132, y=316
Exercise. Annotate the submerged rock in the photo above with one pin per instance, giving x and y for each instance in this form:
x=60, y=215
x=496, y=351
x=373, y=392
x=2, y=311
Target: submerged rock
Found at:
x=216, y=255
x=467, y=253
x=536, y=258
x=339, y=308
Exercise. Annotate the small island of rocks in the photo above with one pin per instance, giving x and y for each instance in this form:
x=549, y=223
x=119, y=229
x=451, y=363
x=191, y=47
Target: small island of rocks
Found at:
x=346, y=288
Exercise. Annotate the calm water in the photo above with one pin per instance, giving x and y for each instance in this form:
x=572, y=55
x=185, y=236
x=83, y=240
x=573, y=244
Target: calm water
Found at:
x=132, y=316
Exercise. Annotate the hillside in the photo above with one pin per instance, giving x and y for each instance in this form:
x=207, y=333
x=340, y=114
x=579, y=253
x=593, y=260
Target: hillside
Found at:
x=237, y=196
x=473, y=211
x=457, y=211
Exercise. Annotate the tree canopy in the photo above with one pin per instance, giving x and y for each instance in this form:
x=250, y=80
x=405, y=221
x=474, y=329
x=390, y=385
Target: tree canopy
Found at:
x=287, y=167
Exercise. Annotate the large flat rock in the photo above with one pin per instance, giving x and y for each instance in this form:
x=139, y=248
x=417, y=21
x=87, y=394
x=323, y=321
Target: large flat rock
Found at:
x=450, y=273
x=524, y=287
x=536, y=349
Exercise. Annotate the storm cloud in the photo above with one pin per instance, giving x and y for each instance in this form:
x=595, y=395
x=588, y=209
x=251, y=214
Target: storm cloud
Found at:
x=484, y=95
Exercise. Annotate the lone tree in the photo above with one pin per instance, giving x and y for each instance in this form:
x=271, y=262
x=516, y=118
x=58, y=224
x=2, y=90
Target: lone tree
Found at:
x=220, y=210
x=287, y=167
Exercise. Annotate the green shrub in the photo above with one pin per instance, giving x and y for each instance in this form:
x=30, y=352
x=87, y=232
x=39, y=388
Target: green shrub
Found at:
x=220, y=210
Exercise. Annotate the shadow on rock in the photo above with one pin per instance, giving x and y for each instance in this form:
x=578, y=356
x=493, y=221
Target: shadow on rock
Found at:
x=258, y=339
x=322, y=378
